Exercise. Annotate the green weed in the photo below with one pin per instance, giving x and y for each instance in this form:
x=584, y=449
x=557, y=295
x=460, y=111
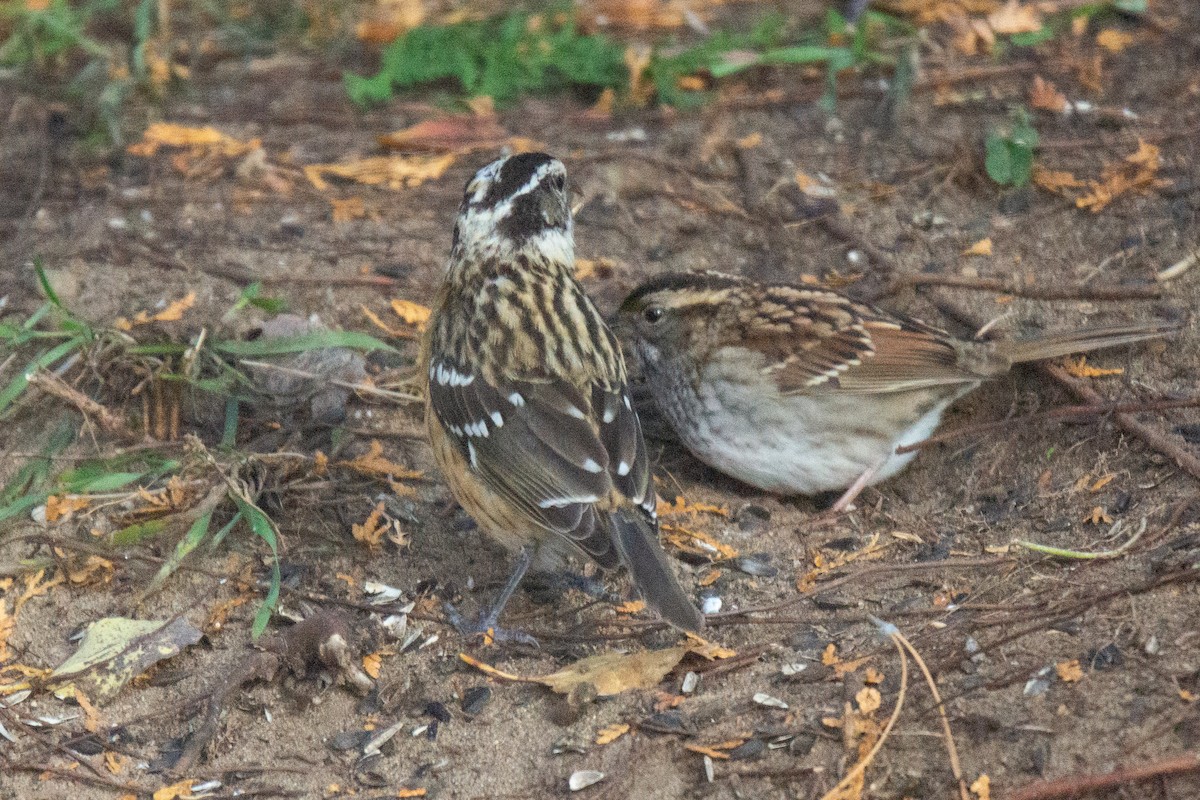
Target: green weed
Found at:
x=1008, y=151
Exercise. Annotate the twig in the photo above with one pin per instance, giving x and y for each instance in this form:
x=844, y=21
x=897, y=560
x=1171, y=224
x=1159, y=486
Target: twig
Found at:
x=48, y=743
x=1079, y=554
x=53, y=385
x=1178, y=268
x=951, y=748
x=1077, y=785
x=866, y=760
x=1053, y=413
x=361, y=388
x=1062, y=292
x=1155, y=439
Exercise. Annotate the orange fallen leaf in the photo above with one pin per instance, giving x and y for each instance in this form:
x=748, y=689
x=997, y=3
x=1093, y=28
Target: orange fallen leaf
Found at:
x=1069, y=671
x=611, y=733
x=62, y=506
x=829, y=655
x=394, y=172
x=115, y=762
x=488, y=669
x=1054, y=181
x=34, y=587
x=176, y=791
x=166, y=134
x=452, y=133
x=1113, y=40
x=697, y=543
x=631, y=607
x=1081, y=369
x=8, y=623
x=91, y=714
x=370, y=531
x=412, y=313
x=1186, y=696
x=982, y=787
x=750, y=141
x=172, y=313
x=1098, y=515
x=348, y=209
x=1013, y=17
x=709, y=650
x=1102, y=482
x=372, y=664
x=1045, y=96
x=873, y=676
x=869, y=699
x=712, y=577
x=375, y=464
x=981, y=248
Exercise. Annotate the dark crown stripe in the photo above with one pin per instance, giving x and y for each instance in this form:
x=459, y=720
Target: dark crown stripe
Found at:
x=680, y=280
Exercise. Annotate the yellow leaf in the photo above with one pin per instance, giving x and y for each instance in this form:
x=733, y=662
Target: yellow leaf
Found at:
x=982, y=787
x=709, y=650
x=751, y=141
x=631, y=607
x=1081, y=369
x=62, y=506
x=394, y=172
x=1013, y=17
x=176, y=791
x=612, y=733
x=714, y=751
x=1105, y=481
x=172, y=313
x=1113, y=40
x=371, y=531
x=613, y=673
x=374, y=463
x=1053, y=181
x=981, y=248
x=412, y=313
x=868, y=699
x=348, y=209
x=372, y=663
x=166, y=134
x=1069, y=671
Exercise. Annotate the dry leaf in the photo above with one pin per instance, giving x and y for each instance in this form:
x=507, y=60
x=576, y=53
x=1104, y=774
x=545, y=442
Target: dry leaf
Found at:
x=1053, y=181
x=750, y=141
x=1136, y=172
x=1186, y=696
x=873, y=676
x=982, y=787
x=822, y=566
x=868, y=699
x=1069, y=671
x=91, y=714
x=115, y=762
x=613, y=673
x=372, y=664
x=8, y=623
x=1081, y=369
x=371, y=531
x=394, y=172
x=64, y=505
x=387, y=20
x=351, y=208
x=453, y=133
x=94, y=570
x=374, y=464
x=641, y=87
x=1045, y=96
x=1114, y=41
x=412, y=313
x=709, y=650
x=712, y=577
x=697, y=543
x=1013, y=17
x=116, y=649
x=176, y=791
x=1102, y=482
x=1098, y=516
x=35, y=588
x=981, y=248
x=631, y=607
x=488, y=669
x=172, y=313
x=208, y=140
x=612, y=733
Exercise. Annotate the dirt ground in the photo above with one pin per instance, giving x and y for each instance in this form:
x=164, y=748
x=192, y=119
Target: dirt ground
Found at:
x=713, y=189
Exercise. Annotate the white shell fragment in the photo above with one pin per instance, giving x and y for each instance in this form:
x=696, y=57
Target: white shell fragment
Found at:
x=711, y=605
x=709, y=773
x=381, y=593
x=583, y=779
x=795, y=668
x=690, y=682
x=764, y=699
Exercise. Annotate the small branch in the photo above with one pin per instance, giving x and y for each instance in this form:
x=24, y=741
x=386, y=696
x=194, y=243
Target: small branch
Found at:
x=1155, y=439
x=1077, y=785
x=53, y=385
x=1065, y=292
x=1064, y=412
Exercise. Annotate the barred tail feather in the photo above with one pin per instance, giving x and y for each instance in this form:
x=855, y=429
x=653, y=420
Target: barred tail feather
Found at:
x=637, y=542
x=1081, y=341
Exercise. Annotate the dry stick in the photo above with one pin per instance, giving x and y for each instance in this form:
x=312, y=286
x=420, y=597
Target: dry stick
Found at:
x=1077, y=785
x=48, y=743
x=1067, y=292
x=1053, y=413
x=1157, y=440
x=53, y=385
x=866, y=760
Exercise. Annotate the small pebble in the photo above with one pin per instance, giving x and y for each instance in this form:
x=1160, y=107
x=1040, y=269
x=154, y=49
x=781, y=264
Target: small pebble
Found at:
x=1152, y=647
x=583, y=779
x=709, y=772
x=764, y=699
x=751, y=748
x=690, y=682
x=795, y=668
x=711, y=605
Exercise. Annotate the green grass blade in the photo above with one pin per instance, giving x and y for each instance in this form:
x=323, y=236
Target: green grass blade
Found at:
x=19, y=383
x=51, y=295
x=133, y=534
x=264, y=528
x=187, y=544
x=317, y=340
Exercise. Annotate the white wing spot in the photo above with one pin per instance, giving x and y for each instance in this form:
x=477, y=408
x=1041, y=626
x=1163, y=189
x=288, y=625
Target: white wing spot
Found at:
x=471, y=452
x=609, y=415
x=496, y=418
x=628, y=406
x=516, y=399
x=591, y=466
x=575, y=412
x=623, y=468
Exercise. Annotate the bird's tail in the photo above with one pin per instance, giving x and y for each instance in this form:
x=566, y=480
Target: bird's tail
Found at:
x=636, y=539
x=1062, y=344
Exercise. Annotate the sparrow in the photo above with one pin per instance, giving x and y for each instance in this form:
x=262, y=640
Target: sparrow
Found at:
x=527, y=401
x=800, y=390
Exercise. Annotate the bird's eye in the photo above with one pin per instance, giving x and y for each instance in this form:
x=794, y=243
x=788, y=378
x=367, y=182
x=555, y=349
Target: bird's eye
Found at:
x=558, y=182
x=654, y=314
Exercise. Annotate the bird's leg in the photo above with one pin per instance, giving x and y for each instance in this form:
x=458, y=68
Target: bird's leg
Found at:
x=856, y=488
x=548, y=586
x=486, y=623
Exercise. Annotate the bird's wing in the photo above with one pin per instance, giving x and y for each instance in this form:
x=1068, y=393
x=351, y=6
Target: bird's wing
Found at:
x=554, y=452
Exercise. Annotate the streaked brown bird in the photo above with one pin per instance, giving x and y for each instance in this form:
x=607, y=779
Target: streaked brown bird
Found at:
x=527, y=404
x=798, y=390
